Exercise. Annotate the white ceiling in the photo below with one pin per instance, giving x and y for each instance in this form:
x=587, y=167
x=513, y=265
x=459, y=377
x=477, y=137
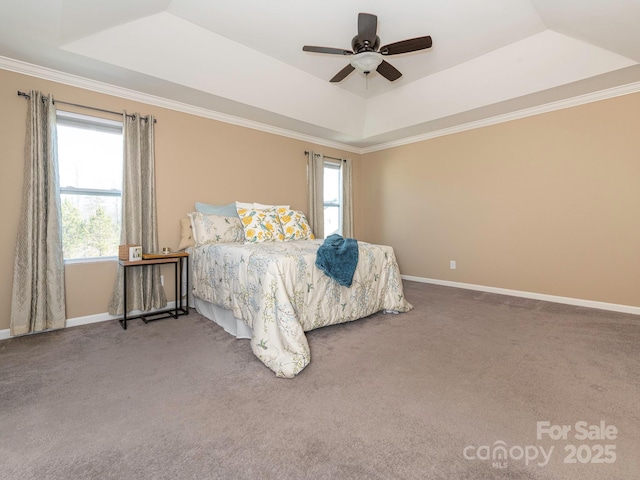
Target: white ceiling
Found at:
x=245, y=58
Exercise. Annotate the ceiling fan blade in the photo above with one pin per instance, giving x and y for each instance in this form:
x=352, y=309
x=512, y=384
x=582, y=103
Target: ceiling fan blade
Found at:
x=332, y=51
x=342, y=74
x=367, y=28
x=406, y=46
x=388, y=71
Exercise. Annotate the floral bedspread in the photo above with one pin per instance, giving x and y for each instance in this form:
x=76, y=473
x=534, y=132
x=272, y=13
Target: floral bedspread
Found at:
x=278, y=291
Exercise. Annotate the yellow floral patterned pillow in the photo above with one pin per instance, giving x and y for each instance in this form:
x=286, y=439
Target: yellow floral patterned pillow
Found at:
x=260, y=225
x=294, y=225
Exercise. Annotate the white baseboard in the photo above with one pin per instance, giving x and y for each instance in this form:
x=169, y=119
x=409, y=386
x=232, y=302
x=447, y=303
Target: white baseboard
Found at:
x=98, y=317
x=614, y=307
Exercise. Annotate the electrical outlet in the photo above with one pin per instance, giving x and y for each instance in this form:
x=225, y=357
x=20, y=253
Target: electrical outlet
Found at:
x=452, y=264
x=162, y=280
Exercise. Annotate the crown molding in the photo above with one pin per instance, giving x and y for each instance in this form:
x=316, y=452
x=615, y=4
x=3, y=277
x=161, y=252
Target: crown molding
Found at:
x=108, y=89
x=45, y=73
x=507, y=117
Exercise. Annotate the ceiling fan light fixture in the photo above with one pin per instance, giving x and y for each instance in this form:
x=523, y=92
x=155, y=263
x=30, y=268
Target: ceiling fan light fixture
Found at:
x=366, y=62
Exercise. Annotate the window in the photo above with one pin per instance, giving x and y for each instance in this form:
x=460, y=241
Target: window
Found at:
x=332, y=195
x=90, y=161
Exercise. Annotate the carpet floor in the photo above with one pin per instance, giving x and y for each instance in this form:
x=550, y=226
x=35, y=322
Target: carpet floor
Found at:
x=467, y=385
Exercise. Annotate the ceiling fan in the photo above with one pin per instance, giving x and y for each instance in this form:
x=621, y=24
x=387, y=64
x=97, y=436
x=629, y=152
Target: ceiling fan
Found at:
x=367, y=53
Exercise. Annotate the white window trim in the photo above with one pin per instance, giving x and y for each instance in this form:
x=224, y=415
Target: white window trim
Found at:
x=79, y=120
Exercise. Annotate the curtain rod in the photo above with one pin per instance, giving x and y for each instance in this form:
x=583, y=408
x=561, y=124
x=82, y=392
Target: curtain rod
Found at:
x=306, y=152
x=26, y=95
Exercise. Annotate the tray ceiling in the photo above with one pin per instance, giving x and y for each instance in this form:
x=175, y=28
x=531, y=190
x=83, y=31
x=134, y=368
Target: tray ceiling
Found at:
x=245, y=59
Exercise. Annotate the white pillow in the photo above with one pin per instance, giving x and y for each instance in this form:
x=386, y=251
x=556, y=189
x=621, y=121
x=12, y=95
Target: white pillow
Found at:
x=261, y=206
x=215, y=229
x=248, y=206
x=258, y=206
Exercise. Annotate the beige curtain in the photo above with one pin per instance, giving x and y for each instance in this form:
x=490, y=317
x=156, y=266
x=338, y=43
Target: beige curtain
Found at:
x=347, y=199
x=139, y=218
x=38, y=274
x=315, y=188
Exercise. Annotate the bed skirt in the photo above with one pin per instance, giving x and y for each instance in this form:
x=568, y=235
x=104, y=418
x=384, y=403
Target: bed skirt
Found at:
x=222, y=317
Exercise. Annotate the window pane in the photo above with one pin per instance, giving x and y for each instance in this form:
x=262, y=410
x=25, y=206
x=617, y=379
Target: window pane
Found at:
x=331, y=220
x=90, y=225
x=332, y=199
x=89, y=159
x=331, y=184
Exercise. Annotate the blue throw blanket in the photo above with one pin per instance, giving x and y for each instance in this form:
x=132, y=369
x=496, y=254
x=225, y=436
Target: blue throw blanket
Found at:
x=338, y=257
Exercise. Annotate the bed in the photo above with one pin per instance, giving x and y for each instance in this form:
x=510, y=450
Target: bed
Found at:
x=270, y=290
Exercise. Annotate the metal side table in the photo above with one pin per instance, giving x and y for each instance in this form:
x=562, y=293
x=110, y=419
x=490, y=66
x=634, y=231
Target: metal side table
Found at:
x=180, y=261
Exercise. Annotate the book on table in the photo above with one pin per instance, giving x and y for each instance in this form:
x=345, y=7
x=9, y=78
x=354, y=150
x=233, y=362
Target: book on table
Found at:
x=154, y=255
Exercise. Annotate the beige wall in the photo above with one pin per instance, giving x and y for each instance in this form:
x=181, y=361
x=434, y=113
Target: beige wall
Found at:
x=197, y=159
x=547, y=204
